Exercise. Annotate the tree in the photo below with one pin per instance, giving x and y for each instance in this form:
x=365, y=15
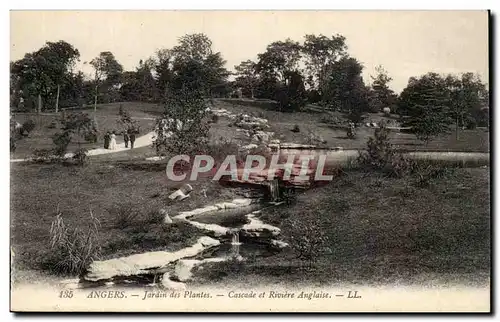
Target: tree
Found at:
x=162, y=66
x=279, y=58
x=345, y=90
x=468, y=96
x=72, y=125
x=381, y=95
x=320, y=52
x=183, y=127
x=246, y=76
x=195, y=66
x=425, y=106
x=42, y=73
x=292, y=96
x=107, y=73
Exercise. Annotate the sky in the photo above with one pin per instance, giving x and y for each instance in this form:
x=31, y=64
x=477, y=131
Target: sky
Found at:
x=405, y=43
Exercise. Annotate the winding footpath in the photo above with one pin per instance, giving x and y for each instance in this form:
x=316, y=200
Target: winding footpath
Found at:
x=142, y=141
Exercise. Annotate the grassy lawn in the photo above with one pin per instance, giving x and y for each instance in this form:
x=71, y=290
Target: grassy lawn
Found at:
x=379, y=230
x=282, y=124
x=107, y=117
x=111, y=191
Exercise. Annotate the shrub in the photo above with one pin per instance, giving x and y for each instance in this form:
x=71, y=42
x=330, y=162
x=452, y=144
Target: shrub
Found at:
x=425, y=171
x=379, y=152
x=61, y=142
x=296, y=128
x=183, y=127
x=123, y=215
x=44, y=155
x=380, y=155
x=155, y=217
x=310, y=241
x=80, y=156
x=72, y=250
x=28, y=126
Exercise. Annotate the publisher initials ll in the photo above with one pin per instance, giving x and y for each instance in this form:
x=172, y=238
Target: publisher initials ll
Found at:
x=353, y=295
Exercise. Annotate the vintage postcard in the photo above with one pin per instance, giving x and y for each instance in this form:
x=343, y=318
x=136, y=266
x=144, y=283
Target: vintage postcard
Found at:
x=250, y=161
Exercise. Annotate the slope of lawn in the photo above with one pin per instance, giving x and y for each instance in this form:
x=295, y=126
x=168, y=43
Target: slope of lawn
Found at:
x=378, y=230
x=125, y=198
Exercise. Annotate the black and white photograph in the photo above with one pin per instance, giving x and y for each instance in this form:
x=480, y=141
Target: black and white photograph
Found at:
x=250, y=161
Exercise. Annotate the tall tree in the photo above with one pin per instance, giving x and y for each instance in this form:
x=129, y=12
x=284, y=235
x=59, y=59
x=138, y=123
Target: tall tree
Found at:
x=279, y=58
x=320, y=52
x=468, y=97
x=107, y=73
x=246, y=76
x=345, y=90
x=41, y=73
x=291, y=96
x=195, y=66
x=425, y=106
x=382, y=96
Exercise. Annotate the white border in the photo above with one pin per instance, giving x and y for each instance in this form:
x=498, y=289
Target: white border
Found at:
x=196, y=5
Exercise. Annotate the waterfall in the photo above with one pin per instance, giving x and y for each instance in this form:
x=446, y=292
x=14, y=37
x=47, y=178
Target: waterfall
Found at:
x=236, y=238
x=235, y=246
x=274, y=190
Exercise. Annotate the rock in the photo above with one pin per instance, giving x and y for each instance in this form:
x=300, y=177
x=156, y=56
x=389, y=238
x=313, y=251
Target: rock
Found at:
x=181, y=193
x=167, y=219
x=278, y=243
x=257, y=229
x=167, y=283
x=142, y=263
x=248, y=147
x=184, y=267
x=275, y=141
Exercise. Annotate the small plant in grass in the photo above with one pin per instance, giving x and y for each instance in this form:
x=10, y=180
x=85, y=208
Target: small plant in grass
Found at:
x=155, y=217
x=80, y=156
x=296, y=128
x=28, y=126
x=426, y=171
x=72, y=250
x=309, y=241
x=124, y=216
x=44, y=155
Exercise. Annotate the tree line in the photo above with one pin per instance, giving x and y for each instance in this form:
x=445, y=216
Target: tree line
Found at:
x=318, y=70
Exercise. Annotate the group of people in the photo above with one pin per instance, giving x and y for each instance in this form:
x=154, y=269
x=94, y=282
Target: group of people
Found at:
x=110, y=139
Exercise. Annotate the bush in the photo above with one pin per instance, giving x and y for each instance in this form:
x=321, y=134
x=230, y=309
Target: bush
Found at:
x=380, y=155
x=44, y=155
x=184, y=126
x=425, y=171
x=123, y=215
x=80, y=156
x=72, y=250
x=311, y=242
x=61, y=142
x=296, y=128
x=28, y=126
x=379, y=152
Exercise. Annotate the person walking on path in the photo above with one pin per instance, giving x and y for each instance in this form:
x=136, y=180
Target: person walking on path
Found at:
x=107, y=138
x=126, y=138
x=132, y=139
x=112, y=142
